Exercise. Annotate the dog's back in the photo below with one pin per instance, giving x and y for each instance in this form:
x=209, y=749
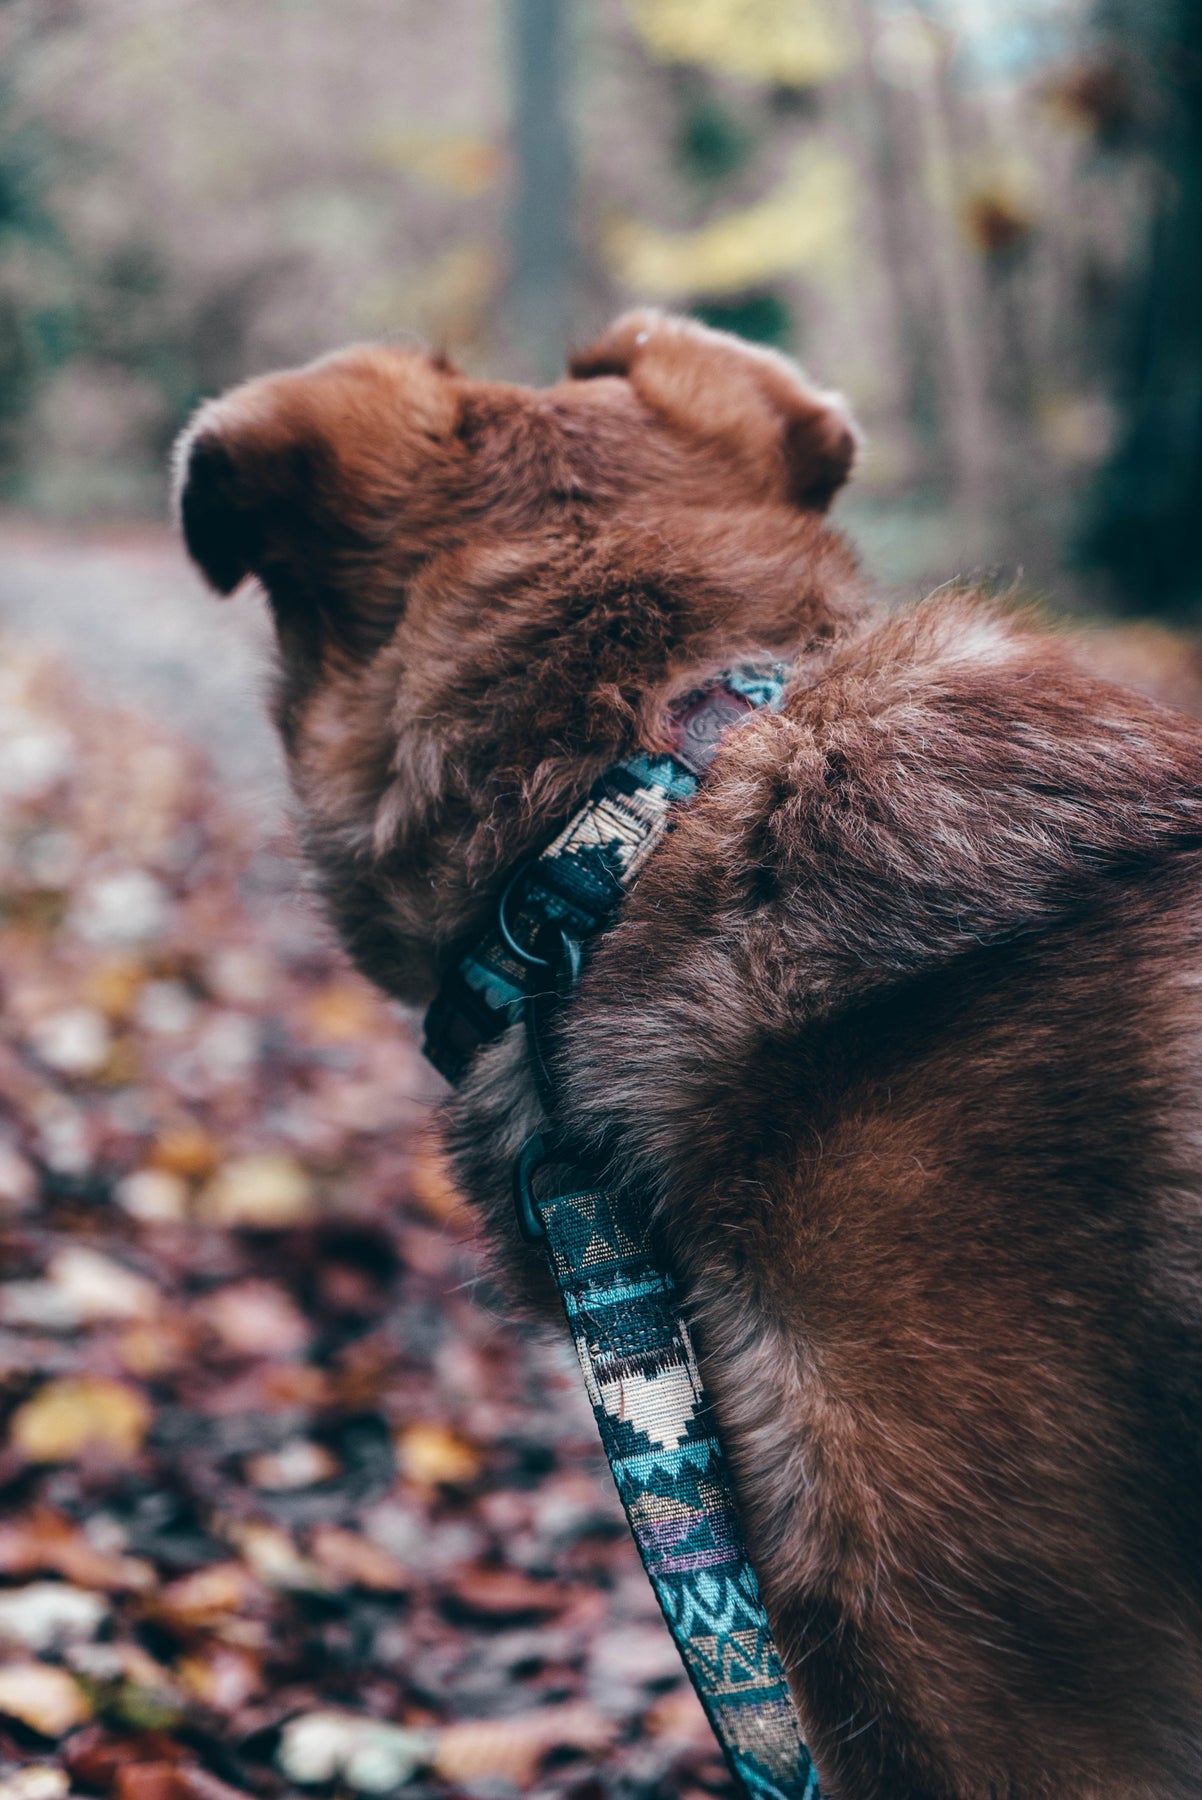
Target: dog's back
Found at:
x=987, y=1522
x=917, y=1071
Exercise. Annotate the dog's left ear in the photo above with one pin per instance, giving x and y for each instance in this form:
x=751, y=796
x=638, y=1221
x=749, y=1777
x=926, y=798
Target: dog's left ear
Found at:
x=223, y=533
x=752, y=402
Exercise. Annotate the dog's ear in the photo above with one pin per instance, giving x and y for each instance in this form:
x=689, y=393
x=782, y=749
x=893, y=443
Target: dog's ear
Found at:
x=253, y=490
x=750, y=401
x=222, y=526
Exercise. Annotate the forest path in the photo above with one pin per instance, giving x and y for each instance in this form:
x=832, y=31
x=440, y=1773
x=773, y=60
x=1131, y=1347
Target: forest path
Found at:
x=126, y=612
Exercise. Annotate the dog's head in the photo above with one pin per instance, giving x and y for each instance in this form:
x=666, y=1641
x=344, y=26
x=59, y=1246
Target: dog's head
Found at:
x=484, y=594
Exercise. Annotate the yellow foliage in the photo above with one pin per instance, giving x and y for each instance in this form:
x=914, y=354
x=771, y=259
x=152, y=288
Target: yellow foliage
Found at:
x=807, y=223
x=432, y=1455
x=186, y=1150
x=81, y=1412
x=801, y=42
x=459, y=162
x=267, y=1191
x=342, y=1012
x=113, y=986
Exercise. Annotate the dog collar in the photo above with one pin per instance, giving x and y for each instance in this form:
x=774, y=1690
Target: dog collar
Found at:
x=569, y=891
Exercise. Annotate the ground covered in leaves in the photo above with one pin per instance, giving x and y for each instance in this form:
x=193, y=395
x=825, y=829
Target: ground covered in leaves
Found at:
x=286, y=1504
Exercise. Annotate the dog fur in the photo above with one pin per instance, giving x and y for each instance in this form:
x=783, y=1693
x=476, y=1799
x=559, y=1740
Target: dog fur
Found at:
x=899, y=1032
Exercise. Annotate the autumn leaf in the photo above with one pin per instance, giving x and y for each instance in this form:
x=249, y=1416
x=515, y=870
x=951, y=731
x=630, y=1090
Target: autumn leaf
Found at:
x=43, y=1697
x=430, y=1453
x=85, y=1412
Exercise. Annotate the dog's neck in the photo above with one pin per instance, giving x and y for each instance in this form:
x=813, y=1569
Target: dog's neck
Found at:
x=558, y=900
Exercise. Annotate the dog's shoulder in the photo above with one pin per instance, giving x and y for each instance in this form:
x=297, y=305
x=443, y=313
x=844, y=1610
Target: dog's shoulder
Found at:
x=953, y=781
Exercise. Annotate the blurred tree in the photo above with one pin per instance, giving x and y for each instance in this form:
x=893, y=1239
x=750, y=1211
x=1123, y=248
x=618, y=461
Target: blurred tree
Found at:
x=542, y=234
x=1142, y=524
x=763, y=317
x=38, y=312
x=711, y=142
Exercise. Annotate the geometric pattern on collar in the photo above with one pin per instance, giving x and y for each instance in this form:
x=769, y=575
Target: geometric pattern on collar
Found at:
x=673, y=1480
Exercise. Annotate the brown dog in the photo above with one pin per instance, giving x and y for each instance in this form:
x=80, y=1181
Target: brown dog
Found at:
x=900, y=1030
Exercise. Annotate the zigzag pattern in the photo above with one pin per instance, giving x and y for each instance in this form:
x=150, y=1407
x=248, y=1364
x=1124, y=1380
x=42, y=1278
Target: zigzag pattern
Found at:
x=672, y=1477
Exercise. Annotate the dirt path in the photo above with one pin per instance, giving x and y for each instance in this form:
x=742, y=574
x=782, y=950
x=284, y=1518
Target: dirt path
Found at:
x=127, y=613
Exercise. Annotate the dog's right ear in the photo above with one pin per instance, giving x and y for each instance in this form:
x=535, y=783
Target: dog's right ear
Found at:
x=222, y=526
x=756, y=405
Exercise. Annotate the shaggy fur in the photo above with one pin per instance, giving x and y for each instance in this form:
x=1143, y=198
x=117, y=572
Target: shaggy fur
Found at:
x=900, y=1031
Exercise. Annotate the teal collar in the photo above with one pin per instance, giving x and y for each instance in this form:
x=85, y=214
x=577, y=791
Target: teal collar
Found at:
x=622, y=1305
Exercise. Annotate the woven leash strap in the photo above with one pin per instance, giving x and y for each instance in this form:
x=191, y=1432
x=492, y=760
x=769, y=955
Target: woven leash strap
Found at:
x=673, y=1480
x=623, y=1308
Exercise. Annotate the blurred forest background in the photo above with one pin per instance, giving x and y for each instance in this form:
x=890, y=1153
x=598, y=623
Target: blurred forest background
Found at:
x=980, y=218
x=287, y=1501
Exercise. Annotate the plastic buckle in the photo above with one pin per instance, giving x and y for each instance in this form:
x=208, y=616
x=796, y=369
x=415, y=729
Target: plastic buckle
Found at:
x=532, y=1156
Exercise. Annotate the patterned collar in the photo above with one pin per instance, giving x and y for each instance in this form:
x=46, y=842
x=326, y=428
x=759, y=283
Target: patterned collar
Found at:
x=559, y=900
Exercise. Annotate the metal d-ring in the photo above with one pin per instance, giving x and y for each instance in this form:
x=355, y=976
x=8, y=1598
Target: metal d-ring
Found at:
x=530, y=1158
x=528, y=957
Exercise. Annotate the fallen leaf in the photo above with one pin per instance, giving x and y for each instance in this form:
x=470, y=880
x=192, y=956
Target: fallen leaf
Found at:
x=205, y=1597
x=294, y=1384
x=299, y=1463
x=154, y=1195
x=195, y=1783
x=256, y=1318
x=372, y=1756
x=155, y=1347
x=170, y=1780
x=268, y=1191
x=126, y=907
x=166, y=1009
x=36, y=1781
x=188, y=1151
x=120, y=1661
x=343, y=1012
x=95, y=1756
x=37, y=1306
x=432, y=1455
x=48, y=1615
x=239, y=975
x=42, y=1697
x=349, y=1558
x=99, y=1287
x=223, y=1677
x=77, y=1413
x=112, y=987
x=276, y=1560
x=147, y=1781
x=504, y=1593
x=45, y=1540
x=18, y=1183
x=513, y=1749
x=75, y=1042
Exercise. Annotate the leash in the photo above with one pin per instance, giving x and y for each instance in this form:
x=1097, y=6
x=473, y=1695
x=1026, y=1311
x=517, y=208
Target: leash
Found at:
x=622, y=1306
